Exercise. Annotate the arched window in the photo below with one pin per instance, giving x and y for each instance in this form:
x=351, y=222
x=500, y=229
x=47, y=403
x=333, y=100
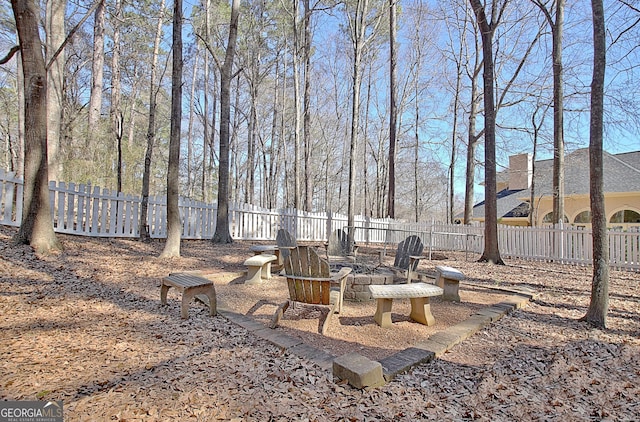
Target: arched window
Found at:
x=583, y=218
x=548, y=219
x=625, y=216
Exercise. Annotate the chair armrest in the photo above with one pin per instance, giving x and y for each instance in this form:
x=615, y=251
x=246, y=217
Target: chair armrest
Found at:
x=340, y=278
x=413, y=259
x=344, y=271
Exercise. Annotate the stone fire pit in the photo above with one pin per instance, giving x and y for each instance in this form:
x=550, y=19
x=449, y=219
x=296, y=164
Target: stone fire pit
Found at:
x=362, y=276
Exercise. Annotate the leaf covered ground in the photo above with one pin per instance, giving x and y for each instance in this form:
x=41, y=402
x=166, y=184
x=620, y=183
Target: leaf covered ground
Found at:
x=86, y=327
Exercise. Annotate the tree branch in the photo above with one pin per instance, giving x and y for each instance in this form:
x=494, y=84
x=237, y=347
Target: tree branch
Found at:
x=72, y=33
x=10, y=54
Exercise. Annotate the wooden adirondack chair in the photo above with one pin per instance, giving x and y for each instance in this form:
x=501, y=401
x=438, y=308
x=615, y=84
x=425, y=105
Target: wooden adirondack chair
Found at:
x=408, y=257
x=285, y=242
x=310, y=282
x=338, y=247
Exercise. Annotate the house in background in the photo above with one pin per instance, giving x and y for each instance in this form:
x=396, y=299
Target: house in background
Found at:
x=621, y=186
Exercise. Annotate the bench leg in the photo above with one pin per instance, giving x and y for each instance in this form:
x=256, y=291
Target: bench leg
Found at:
x=208, y=297
x=451, y=290
x=190, y=293
x=265, y=272
x=383, y=312
x=213, y=303
x=421, y=311
x=163, y=293
x=254, y=275
x=184, y=307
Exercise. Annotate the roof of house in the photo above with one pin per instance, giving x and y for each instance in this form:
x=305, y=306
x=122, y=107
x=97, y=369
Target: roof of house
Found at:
x=621, y=174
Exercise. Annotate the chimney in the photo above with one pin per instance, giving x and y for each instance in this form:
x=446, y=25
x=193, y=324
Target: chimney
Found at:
x=520, y=171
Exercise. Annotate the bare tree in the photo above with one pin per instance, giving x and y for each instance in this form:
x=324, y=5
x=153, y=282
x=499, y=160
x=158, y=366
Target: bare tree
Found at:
x=498, y=103
x=491, y=251
x=97, y=72
x=55, y=32
x=473, y=135
x=117, y=119
x=296, y=102
x=222, y=234
x=151, y=128
x=458, y=56
x=36, y=227
x=393, y=109
x=306, y=107
x=174, y=227
x=599, y=304
x=362, y=32
x=190, y=154
x=536, y=125
x=557, y=26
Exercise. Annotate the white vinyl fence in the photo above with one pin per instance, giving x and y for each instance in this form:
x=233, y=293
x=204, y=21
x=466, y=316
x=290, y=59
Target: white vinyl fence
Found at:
x=91, y=211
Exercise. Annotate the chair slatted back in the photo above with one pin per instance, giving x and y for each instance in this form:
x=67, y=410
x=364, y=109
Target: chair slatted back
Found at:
x=301, y=267
x=285, y=241
x=411, y=246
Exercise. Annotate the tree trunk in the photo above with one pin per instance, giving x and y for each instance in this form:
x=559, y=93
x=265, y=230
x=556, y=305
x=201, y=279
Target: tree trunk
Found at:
x=306, y=109
x=296, y=99
x=557, y=27
x=18, y=165
x=97, y=71
x=472, y=144
x=271, y=182
x=491, y=252
x=536, y=134
x=416, y=138
x=190, y=177
x=361, y=35
x=151, y=131
x=358, y=39
x=55, y=31
x=174, y=227
x=251, y=137
x=393, y=110
x=366, y=208
x=36, y=228
x=222, y=234
x=558, y=115
x=205, y=94
x=454, y=136
x=599, y=305
x=117, y=121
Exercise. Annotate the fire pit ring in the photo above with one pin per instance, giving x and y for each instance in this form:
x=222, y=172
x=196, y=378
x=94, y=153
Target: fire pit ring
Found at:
x=362, y=276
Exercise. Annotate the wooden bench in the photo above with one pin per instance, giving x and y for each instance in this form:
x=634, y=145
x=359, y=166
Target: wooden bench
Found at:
x=190, y=286
x=449, y=280
x=259, y=267
x=419, y=293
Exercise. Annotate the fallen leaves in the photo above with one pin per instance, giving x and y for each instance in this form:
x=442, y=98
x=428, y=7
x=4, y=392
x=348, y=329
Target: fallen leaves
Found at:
x=87, y=328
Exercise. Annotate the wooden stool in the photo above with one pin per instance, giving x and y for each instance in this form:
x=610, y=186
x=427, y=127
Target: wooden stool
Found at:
x=190, y=285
